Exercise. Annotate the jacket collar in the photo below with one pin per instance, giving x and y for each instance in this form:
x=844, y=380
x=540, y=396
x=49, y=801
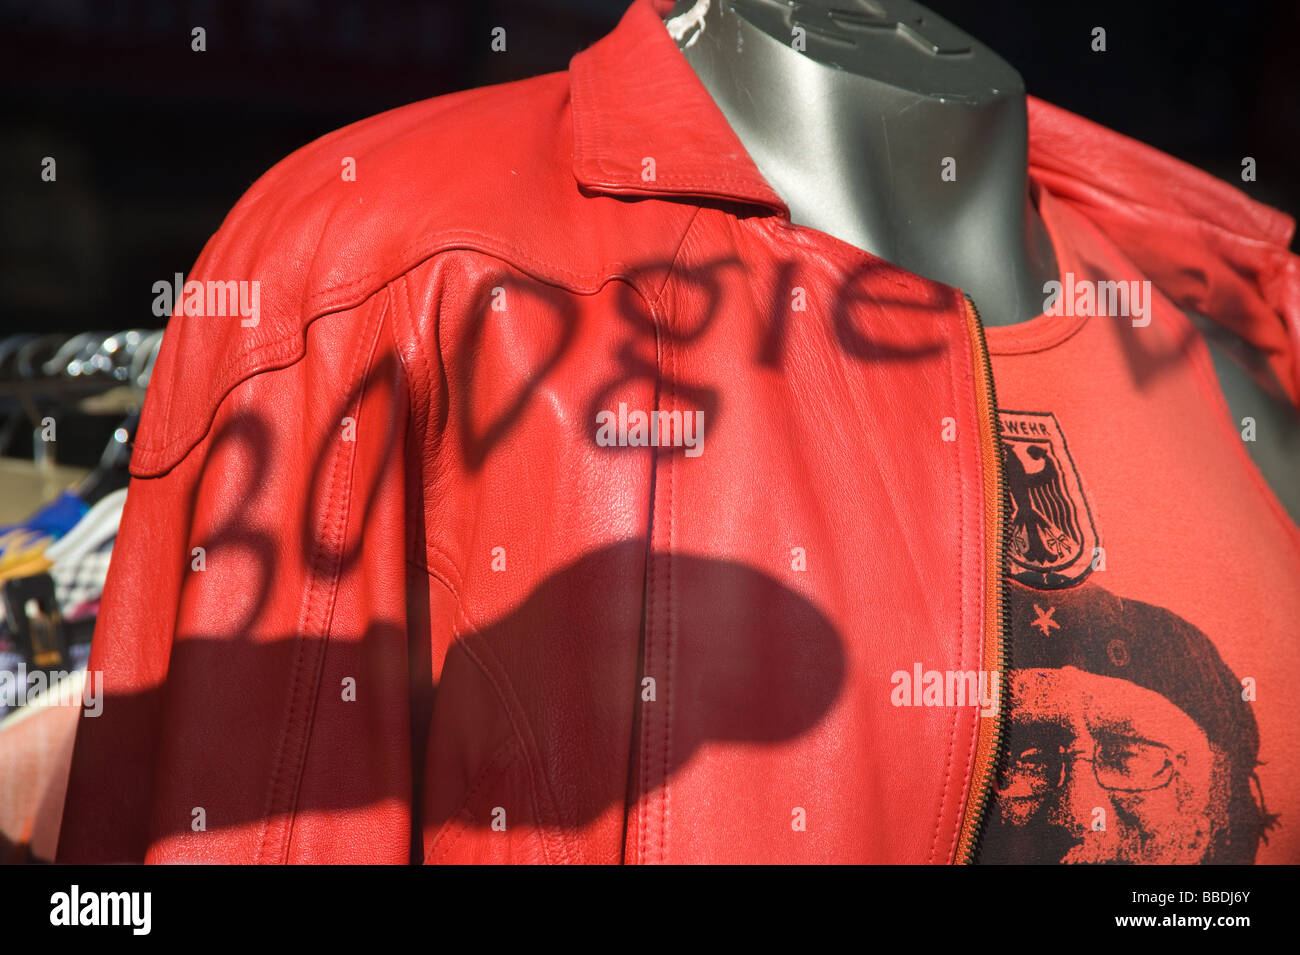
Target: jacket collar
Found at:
x=635, y=98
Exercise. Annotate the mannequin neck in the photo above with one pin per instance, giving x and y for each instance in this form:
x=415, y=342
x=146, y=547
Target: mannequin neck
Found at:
x=879, y=156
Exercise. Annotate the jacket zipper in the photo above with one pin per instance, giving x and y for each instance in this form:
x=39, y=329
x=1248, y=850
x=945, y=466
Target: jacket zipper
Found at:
x=989, y=728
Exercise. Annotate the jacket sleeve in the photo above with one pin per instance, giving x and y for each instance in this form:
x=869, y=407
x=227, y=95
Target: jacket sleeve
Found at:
x=251, y=653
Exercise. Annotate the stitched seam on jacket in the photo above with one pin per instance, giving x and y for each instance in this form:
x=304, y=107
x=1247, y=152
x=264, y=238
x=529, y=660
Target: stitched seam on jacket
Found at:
x=244, y=364
x=650, y=845
x=414, y=561
x=671, y=359
x=318, y=601
x=963, y=556
x=489, y=773
x=422, y=403
x=430, y=546
x=665, y=354
x=960, y=528
x=418, y=348
x=509, y=702
x=462, y=820
x=417, y=380
x=531, y=759
x=671, y=636
x=512, y=742
x=687, y=233
x=967, y=371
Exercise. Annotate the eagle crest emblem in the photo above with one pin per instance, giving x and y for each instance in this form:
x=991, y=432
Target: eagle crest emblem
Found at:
x=1052, y=541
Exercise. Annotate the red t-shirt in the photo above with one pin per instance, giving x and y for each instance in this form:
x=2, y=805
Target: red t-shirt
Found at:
x=1154, y=598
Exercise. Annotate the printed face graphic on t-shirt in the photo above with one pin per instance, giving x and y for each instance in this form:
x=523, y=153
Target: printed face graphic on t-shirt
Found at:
x=1127, y=737
x=1099, y=769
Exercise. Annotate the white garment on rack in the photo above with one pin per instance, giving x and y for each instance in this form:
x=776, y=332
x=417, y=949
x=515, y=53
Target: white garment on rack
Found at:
x=96, y=526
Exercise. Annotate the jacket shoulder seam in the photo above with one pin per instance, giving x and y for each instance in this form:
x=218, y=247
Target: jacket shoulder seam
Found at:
x=314, y=622
x=287, y=349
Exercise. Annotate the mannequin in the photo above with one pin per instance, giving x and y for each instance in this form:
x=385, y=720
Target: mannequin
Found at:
x=853, y=134
x=889, y=128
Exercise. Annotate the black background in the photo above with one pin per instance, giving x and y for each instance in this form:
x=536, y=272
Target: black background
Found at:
x=927, y=908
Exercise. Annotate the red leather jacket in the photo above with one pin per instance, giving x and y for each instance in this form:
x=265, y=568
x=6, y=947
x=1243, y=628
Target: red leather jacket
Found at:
x=385, y=590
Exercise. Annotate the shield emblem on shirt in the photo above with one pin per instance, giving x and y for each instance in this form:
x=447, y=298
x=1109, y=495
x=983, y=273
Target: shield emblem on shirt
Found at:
x=1051, y=538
